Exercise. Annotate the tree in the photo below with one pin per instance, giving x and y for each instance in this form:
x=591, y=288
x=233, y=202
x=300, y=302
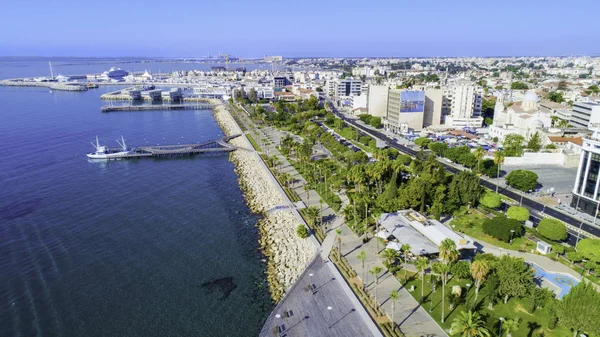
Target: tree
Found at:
x=421, y=265
x=313, y=214
x=252, y=95
x=405, y=248
x=469, y=324
x=498, y=160
x=491, y=200
x=479, y=153
x=523, y=180
x=448, y=254
x=422, y=141
x=438, y=148
x=518, y=213
x=442, y=269
x=535, y=142
x=555, y=96
x=362, y=256
x=513, y=145
x=573, y=256
x=375, y=272
x=511, y=325
x=302, y=231
x=394, y=296
x=552, y=229
x=575, y=310
x=338, y=232
x=461, y=269
x=479, y=272
x=519, y=86
x=464, y=189
x=594, y=88
x=488, y=121
x=562, y=85
x=500, y=227
x=375, y=122
x=589, y=249
x=515, y=276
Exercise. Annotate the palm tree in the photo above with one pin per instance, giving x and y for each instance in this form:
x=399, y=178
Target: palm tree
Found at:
x=405, y=248
x=339, y=241
x=362, y=256
x=498, y=160
x=394, y=296
x=554, y=120
x=306, y=189
x=448, y=254
x=479, y=271
x=313, y=214
x=442, y=269
x=511, y=325
x=375, y=272
x=479, y=153
x=469, y=324
x=421, y=265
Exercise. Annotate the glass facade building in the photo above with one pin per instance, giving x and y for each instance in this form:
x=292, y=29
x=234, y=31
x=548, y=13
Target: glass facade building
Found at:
x=586, y=191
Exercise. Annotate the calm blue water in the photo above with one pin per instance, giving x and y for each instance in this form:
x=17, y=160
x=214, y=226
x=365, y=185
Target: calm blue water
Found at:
x=126, y=248
x=562, y=281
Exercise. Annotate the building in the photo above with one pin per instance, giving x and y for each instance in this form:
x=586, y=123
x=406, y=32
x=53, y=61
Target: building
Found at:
x=587, y=182
x=405, y=111
x=582, y=113
x=462, y=100
x=523, y=118
x=433, y=107
x=377, y=100
x=281, y=81
x=344, y=87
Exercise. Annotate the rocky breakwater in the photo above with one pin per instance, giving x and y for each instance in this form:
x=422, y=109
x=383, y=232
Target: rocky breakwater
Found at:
x=64, y=86
x=288, y=255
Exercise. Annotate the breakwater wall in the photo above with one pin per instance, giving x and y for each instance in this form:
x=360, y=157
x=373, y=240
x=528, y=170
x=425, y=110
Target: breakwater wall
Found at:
x=63, y=86
x=287, y=254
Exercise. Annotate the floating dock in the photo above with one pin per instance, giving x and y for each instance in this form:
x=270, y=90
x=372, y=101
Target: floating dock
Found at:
x=161, y=151
x=115, y=108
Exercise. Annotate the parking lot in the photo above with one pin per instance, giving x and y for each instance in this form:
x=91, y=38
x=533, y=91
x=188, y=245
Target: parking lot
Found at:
x=562, y=179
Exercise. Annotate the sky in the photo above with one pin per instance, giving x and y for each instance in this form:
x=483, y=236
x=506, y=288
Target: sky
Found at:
x=326, y=28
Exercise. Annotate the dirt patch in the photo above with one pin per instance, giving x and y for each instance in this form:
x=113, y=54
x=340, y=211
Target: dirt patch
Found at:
x=382, y=319
x=355, y=280
x=520, y=308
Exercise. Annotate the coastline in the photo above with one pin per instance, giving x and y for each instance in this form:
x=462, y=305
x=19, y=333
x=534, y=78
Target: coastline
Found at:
x=287, y=254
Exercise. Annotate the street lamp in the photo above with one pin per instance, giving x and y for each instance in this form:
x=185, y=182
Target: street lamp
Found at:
x=500, y=332
x=512, y=231
x=329, y=309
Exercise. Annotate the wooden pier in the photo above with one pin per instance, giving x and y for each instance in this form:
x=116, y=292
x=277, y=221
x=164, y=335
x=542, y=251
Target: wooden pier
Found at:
x=115, y=108
x=162, y=151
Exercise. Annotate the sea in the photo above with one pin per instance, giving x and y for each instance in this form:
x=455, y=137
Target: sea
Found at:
x=147, y=247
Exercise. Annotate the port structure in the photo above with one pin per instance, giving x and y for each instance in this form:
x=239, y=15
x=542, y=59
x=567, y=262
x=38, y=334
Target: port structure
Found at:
x=218, y=146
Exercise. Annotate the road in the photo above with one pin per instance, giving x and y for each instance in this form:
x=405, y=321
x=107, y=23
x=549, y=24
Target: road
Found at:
x=534, y=206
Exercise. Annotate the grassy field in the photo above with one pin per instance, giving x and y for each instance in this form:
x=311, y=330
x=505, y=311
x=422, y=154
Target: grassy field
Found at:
x=253, y=142
x=472, y=225
x=531, y=324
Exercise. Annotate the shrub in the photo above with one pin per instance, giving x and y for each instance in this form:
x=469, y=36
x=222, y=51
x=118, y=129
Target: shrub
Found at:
x=422, y=141
x=302, y=231
x=589, y=249
x=552, y=229
x=518, y=213
x=491, y=200
x=522, y=179
x=573, y=256
x=461, y=270
x=500, y=227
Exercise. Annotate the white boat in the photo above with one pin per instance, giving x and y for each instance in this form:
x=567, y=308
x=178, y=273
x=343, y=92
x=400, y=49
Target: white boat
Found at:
x=104, y=153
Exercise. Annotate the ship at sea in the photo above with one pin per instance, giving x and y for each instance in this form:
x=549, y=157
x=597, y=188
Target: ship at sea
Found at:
x=104, y=153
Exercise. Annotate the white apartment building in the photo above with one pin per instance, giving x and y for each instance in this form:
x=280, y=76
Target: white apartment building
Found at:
x=377, y=100
x=344, y=87
x=462, y=101
x=583, y=113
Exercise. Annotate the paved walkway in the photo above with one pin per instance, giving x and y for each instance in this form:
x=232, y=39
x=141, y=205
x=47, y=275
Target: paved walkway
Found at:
x=329, y=309
x=412, y=319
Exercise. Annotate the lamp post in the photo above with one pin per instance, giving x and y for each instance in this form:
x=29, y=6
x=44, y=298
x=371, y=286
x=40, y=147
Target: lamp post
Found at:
x=512, y=231
x=500, y=332
x=521, y=202
x=329, y=309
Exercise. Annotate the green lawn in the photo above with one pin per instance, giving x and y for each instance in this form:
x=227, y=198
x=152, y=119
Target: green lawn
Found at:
x=538, y=321
x=472, y=225
x=253, y=142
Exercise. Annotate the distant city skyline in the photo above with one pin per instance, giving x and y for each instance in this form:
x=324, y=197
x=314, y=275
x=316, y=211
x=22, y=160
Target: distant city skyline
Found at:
x=429, y=28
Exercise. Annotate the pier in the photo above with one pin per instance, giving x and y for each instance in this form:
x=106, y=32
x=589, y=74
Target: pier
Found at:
x=162, y=151
x=116, y=108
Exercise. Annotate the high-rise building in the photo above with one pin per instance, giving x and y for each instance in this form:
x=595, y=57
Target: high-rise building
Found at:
x=586, y=191
x=462, y=105
x=432, y=115
x=583, y=113
x=405, y=110
x=377, y=100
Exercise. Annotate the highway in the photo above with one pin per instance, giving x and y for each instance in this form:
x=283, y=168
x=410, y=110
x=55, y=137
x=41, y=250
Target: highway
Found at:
x=536, y=208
